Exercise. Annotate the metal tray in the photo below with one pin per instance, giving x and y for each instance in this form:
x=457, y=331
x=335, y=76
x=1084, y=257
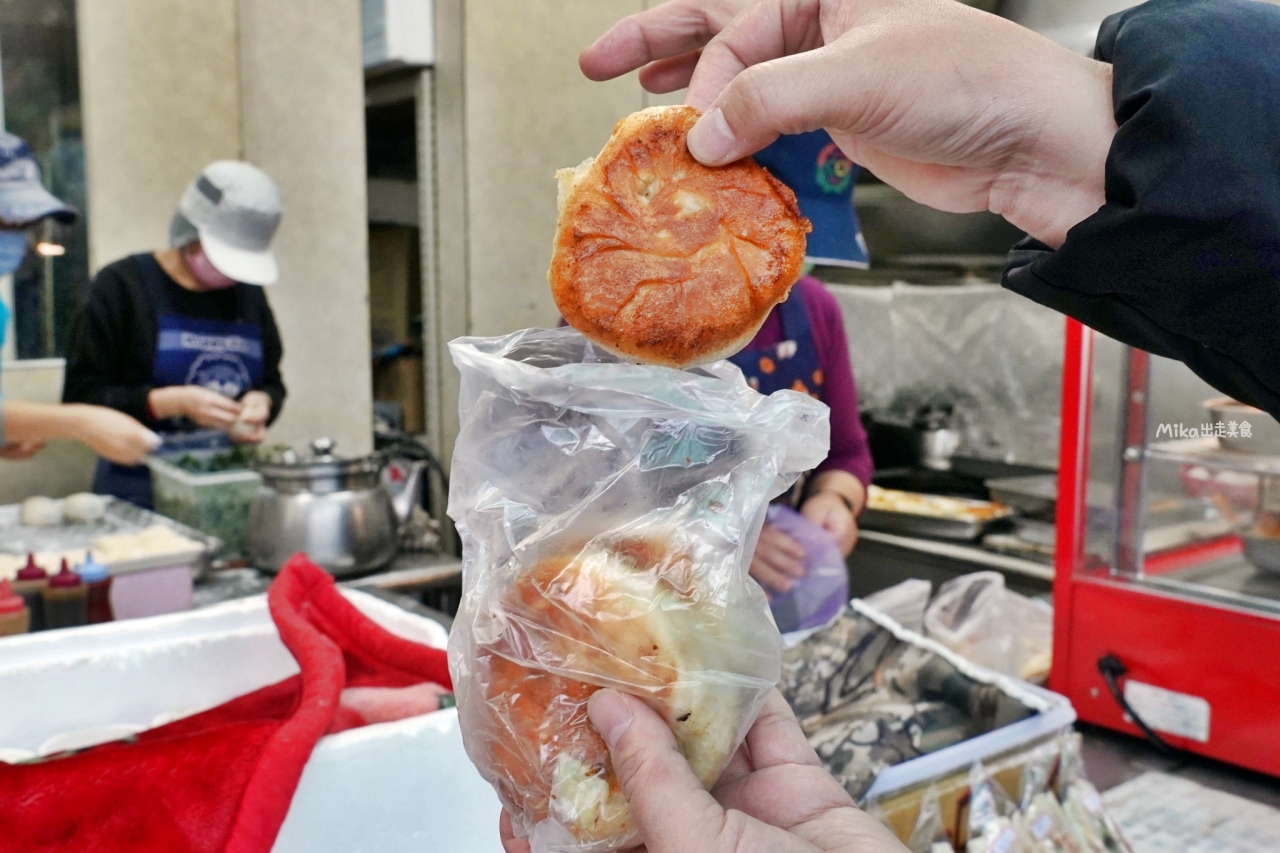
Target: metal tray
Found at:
x=933, y=527
x=121, y=517
x=1262, y=551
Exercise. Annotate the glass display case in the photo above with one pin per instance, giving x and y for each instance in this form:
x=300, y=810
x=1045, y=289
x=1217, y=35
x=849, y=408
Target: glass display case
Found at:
x=1167, y=571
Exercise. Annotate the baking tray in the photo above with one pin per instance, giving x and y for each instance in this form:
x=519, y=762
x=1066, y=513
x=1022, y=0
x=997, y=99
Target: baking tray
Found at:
x=931, y=526
x=1262, y=551
x=121, y=517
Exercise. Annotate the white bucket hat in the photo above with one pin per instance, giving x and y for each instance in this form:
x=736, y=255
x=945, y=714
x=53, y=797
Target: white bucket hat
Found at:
x=233, y=208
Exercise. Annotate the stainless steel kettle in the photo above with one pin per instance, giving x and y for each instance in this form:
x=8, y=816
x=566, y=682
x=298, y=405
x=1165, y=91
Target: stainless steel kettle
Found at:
x=334, y=509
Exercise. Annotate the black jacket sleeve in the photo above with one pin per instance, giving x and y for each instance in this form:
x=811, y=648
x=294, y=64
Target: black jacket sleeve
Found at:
x=272, y=352
x=104, y=365
x=1183, y=260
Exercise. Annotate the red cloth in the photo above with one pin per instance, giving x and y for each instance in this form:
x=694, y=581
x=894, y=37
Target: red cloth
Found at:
x=220, y=781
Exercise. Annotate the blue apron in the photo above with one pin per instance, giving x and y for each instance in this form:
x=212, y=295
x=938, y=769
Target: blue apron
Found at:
x=792, y=364
x=222, y=356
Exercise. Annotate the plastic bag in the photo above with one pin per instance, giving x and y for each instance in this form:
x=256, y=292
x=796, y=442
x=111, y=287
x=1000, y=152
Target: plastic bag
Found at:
x=904, y=602
x=608, y=513
x=1093, y=827
x=819, y=596
x=991, y=816
x=929, y=834
x=975, y=616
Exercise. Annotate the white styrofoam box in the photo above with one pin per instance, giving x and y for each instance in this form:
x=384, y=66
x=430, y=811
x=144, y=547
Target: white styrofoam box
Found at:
x=391, y=787
x=406, y=787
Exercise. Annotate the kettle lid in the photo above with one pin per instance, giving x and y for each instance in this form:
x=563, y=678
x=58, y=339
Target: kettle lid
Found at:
x=320, y=461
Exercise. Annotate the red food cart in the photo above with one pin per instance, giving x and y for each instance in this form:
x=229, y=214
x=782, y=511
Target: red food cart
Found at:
x=1167, y=566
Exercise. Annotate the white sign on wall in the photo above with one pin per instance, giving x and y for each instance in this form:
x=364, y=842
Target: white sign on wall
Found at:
x=398, y=33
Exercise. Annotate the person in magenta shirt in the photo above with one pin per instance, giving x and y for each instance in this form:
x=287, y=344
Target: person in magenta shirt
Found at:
x=802, y=347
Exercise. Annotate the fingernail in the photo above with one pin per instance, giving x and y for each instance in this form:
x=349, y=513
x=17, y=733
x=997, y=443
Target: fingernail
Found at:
x=610, y=714
x=710, y=140
x=154, y=440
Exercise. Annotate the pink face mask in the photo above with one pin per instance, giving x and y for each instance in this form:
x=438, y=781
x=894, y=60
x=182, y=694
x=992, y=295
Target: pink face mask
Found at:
x=204, y=272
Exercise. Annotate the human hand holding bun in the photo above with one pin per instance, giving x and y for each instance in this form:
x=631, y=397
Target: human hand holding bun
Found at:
x=630, y=613
x=661, y=259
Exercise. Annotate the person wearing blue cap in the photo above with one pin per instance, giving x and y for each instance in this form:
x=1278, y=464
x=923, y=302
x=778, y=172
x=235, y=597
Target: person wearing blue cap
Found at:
x=802, y=346
x=25, y=426
x=184, y=339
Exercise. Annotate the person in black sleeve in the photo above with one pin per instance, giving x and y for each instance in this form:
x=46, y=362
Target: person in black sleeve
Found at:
x=183, y=339
x=1149, y=179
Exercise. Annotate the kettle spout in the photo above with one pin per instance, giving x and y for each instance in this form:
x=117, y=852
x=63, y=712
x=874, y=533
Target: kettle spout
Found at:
x=402, y=478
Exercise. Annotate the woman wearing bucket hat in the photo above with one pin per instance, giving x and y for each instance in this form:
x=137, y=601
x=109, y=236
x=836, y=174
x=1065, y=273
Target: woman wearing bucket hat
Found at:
x=183, y=339
x=25, y=426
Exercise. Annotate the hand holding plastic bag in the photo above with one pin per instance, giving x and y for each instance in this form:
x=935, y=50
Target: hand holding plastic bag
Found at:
x=608, y=513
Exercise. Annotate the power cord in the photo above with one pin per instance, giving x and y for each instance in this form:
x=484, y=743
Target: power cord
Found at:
x=1112, y=670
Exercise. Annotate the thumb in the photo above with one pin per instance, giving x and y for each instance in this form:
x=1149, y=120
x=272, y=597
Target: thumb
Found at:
x=671, y=809
x=793, y=94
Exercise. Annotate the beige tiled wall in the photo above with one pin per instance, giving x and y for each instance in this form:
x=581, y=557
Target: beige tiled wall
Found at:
x=302, y=85
x=511, y=107
x=529, y=112
x=160, y=94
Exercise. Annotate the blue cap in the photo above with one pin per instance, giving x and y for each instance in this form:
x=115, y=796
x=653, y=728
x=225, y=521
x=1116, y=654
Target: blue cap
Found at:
x=822, y=178
x=91, y=571
x=23, y=199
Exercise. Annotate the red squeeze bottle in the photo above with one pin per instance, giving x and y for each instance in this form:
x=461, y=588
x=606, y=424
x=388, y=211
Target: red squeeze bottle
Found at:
x=66, y=600
x=30, y=583
x=15, y=616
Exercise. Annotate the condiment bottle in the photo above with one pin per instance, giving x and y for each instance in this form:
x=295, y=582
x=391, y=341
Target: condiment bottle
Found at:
x=15, y=616
x=30, y=583
x=98, y=580
x=66, y=600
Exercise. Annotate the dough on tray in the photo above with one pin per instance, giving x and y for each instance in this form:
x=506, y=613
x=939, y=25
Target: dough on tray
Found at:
x=84, y=507
x=40, y=512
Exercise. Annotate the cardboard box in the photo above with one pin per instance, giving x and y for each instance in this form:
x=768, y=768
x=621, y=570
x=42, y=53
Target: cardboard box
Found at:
x=402, y=381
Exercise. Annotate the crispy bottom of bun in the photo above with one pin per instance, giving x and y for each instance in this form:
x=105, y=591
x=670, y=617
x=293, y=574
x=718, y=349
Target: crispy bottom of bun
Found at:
x=660, y=259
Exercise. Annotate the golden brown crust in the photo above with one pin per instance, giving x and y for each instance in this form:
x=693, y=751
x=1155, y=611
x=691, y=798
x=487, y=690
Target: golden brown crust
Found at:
x=664, y=260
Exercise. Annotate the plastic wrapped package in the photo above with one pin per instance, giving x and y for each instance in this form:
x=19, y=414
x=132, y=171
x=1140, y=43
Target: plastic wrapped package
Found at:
x=977, y=617
x=608, y=514
x=1094, y=828
x=992, y=816
x=822, y=593
x=930, y=833
x=904, y=602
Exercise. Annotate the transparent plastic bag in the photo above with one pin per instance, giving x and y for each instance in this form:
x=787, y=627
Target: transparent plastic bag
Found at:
x=822, y=593
x=975, y=616
x=992, y=815
x=1092, y=825
x=904, y=602
x=608, y=513
x=930, y=834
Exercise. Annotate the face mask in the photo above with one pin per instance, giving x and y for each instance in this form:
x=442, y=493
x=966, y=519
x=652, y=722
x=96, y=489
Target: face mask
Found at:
x=205, y=272
x=13, y=248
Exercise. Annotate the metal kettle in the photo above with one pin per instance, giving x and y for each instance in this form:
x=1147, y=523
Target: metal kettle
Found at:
x=336, y=510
